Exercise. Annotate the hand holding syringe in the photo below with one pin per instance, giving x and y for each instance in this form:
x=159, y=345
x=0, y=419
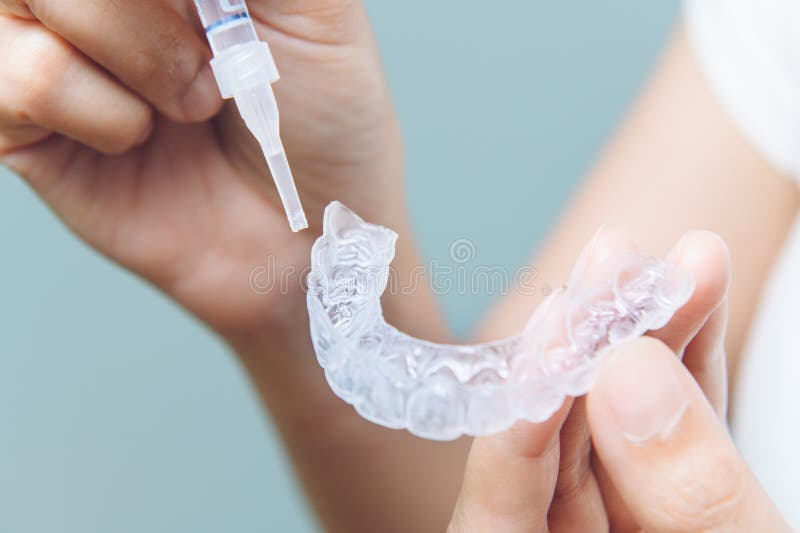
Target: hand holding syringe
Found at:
x=245, y=71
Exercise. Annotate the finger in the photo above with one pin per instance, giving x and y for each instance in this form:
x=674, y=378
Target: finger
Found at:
x=509, y=479
x=619, y=516
x=577, y=501
x=147, y=44
x=705, y=359
x=667, y=452
x=706, y=256
x=608, y=242
x=18, y=8
x=49, y=86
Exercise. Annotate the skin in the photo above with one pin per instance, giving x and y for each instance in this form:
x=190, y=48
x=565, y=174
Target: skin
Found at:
x=661, y=472
x=666, y=138
x=687, y=477
x=141, y=159
x=145, y=163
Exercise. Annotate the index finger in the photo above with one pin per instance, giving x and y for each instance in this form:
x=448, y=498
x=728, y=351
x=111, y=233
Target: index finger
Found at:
x=147, y=44
x=706, y=256
x=510, y=478
x=17, y=8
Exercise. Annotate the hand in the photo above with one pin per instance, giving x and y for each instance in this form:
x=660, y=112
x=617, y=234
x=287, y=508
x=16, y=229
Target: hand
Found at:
x=662, y=459
x=110, y=111
x=668, y=453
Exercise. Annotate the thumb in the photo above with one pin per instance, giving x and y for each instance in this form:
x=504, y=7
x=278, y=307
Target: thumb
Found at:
x=509, y=479
x=666, y=451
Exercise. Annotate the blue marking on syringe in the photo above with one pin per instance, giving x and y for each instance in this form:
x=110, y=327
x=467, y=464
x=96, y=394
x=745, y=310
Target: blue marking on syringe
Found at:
x=238, y=18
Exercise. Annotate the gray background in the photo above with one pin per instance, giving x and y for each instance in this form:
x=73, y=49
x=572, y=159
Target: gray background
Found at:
x=119, y=413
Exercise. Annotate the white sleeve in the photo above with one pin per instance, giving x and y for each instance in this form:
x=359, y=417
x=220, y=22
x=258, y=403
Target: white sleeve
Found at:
x=749, y=51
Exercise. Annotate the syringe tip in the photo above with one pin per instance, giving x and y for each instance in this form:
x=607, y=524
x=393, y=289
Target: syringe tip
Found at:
x=298, y=222
x=282, y=175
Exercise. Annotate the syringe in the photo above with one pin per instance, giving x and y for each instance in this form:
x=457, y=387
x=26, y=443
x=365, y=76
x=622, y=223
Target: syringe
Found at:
x=245, y=71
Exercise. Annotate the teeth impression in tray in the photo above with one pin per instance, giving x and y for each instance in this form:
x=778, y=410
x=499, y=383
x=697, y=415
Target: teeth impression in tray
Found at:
x=440, y=391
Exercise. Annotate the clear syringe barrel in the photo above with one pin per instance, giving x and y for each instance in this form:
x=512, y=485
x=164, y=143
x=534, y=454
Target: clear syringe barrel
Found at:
x=245, y=71
x=226, y=23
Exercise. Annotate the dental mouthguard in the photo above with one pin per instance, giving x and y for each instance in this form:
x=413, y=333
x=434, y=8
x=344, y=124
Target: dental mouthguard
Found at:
x=440, y=391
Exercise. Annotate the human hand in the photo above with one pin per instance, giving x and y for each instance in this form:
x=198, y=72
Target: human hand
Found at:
x=546, y=477
x=666, y=450
x=109, y=110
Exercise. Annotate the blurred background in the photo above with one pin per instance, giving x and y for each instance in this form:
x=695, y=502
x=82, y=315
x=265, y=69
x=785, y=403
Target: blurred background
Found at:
x=119, y=413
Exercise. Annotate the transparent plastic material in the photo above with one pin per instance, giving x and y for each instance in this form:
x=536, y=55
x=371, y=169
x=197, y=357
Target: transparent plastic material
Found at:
x=245, y=71
x=442, y=391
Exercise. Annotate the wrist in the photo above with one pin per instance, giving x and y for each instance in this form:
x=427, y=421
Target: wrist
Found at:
x=283, y=369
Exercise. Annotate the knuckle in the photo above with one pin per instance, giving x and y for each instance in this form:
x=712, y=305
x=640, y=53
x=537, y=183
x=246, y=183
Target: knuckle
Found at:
x=321, y=10
x=131, y=137
x=39, y=65
x=146, y=64
x=324, y=21
x=169, y=72
x=334, y=12
x=575, y=472
x=712, y=498
x=573, y=479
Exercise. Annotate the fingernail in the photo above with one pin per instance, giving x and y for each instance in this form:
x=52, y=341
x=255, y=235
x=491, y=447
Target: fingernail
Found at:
x=203, y=98
x=676, y=252
x=582, y=263
x=646, y=396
